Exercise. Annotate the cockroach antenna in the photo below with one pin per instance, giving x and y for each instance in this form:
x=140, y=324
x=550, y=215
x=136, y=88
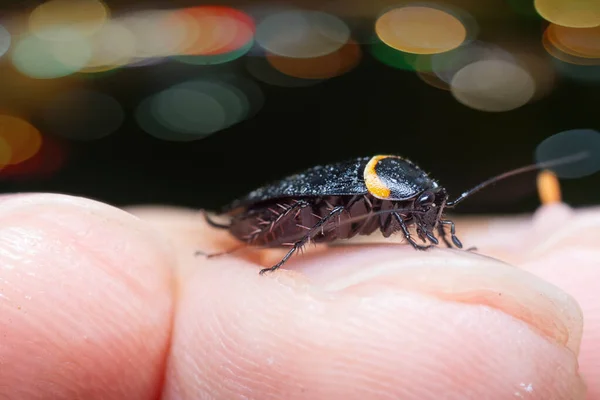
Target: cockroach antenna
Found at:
x=532, y=167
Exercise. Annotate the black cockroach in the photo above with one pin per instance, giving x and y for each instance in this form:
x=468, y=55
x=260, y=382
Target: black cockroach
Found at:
x=345, y=199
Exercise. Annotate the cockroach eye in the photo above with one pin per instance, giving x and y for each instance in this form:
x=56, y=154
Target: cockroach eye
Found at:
x=425, y=200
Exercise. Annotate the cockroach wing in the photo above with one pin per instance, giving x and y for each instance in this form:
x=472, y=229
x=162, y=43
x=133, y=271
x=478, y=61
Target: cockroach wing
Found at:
x=336, y=179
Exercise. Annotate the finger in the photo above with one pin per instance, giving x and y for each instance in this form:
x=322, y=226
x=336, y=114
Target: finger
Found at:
x=559, y=244
x=85, y=300
x=370, y=322
x=569, y=256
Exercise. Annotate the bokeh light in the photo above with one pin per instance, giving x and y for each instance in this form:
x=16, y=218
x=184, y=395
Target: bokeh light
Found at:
x=493, y=86
x=156, y=33
x=588, y=74
x=5, y=40
x=540, y=68
x=195, y=109
x=263, y=71
x=54, y=19
x=50, y=158
x=83, y=115
x=397, y=59
x=446, y=65
x=420, y=30
x=571, y=13
x=216, y=30
x=21, y=139
x=571, y=143
x=214, y=59
x=302, y=33
x=46, y=59
x=145, y=117
x=112, y=46
x=433, y=80
x=324, y=67
x=5, y=153
x=358, y=16
x=576, y=42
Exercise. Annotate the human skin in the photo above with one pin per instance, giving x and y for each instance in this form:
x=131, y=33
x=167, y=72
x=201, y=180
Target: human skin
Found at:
x=100, y=303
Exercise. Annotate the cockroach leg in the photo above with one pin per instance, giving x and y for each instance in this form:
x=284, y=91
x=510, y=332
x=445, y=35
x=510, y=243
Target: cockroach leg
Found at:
x=421, y=233
x=315, y=229
x=443, y=235
x=220, y=253
x=215, y=224
x=432, y=238
x=455, y=240
x=407, y=233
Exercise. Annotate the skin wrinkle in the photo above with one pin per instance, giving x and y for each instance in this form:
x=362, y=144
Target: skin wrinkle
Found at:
x=85, y=236
x=244, y=362
x=71, y=256
x=63, y=315
x=373, y=364
x=81, y=241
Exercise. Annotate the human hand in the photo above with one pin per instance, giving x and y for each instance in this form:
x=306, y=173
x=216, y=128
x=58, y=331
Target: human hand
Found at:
x=96, y=303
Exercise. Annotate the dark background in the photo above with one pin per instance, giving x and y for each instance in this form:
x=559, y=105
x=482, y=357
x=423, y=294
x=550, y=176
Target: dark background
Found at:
x=372, y=109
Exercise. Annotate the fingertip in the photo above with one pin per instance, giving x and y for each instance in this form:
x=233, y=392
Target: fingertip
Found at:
x=87, y=294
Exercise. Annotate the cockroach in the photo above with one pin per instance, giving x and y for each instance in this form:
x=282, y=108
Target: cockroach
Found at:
x=349, y=198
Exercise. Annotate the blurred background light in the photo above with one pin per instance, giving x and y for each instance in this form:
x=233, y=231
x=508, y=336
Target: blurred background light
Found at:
x=195, y=109
x=558, y=54
x=433, y=80
x=540, y=68
x=41, y=58
x=302, y=33
x=20, y=139
x=420, y=30
x=216, y=31
x=112, y=46
x=587, y=74
x=146, y=118
x=49, y=160
x=568, y=143
x=328, y=66
x=446, y=65
x=576, y=43
x=570, y=13
x=395, y=58
x=75, y=70
x=358, y=16
x=493, y=86
x=156, y=33
x=58, y=19
x=83, y=115
x=191, y=111
x=217, y=58
x=261, y=70
x=5, y=40
x=5, y=153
